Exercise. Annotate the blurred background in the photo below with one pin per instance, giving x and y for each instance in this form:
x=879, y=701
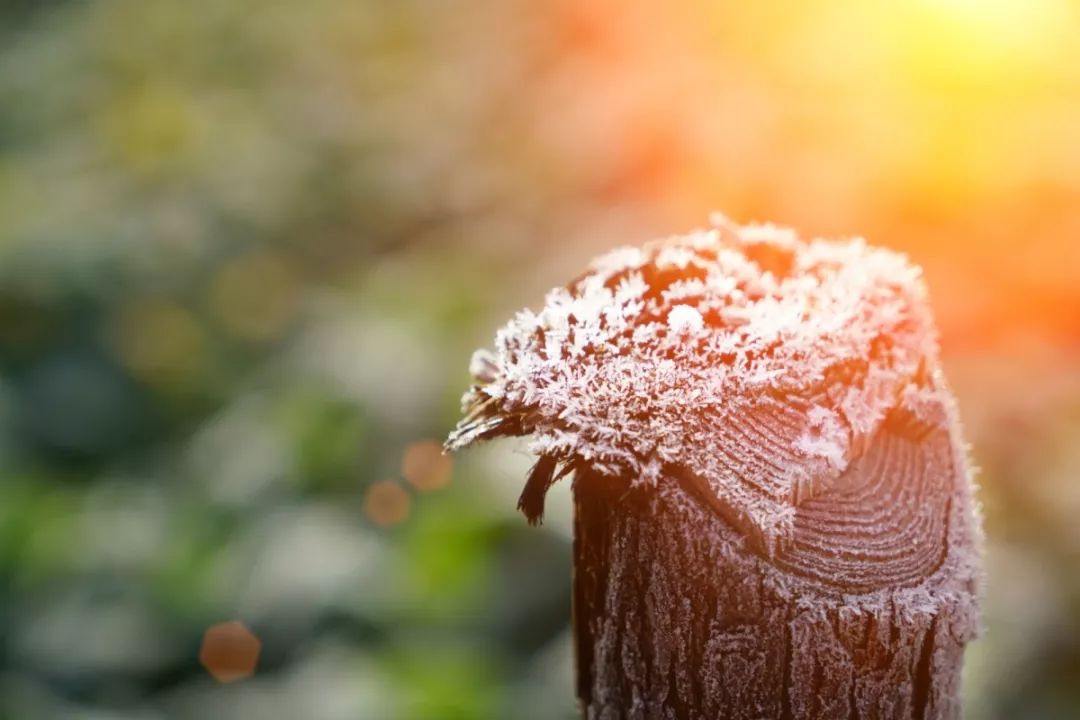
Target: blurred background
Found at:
x=247, y=246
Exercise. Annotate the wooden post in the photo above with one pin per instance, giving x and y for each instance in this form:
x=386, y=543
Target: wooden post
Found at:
x=773, y=508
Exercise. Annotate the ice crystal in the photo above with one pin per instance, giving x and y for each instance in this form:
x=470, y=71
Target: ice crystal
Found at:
x=659, y=358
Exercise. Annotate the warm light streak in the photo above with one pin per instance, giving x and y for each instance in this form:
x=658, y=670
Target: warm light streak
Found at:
x=1004, y=18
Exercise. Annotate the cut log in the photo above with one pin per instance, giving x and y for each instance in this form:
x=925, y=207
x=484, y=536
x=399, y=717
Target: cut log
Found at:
x=773, y=506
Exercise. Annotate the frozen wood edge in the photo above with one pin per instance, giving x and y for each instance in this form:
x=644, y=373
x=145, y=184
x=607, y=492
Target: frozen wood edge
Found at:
x=773, y=507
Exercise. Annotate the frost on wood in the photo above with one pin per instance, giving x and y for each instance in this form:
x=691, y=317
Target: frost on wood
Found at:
x=769, y=476
x=758, y=363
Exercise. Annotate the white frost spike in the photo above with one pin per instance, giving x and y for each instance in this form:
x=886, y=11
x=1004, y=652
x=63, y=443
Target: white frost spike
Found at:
x=483, y=366
x=685, y=320
x=754, y=360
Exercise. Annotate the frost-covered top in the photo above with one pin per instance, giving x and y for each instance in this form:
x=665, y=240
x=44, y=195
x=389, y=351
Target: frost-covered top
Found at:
x=667, y=355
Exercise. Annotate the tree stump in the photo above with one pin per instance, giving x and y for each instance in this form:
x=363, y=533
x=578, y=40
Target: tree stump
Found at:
x=773, y=507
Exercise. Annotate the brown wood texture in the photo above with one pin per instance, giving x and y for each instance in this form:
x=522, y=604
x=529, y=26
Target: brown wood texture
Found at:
x=865, y=615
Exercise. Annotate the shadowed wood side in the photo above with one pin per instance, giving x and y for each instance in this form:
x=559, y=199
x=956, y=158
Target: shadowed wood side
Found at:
x=864, y=615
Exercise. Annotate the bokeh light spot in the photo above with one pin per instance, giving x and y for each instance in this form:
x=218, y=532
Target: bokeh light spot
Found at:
x=158, y=340
x=387, y=503
x=255, y=295
x=153, y=129
x=425, y=466
x=230, y=651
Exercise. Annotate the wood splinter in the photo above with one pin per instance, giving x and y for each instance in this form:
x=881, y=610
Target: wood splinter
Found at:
x=773, y=509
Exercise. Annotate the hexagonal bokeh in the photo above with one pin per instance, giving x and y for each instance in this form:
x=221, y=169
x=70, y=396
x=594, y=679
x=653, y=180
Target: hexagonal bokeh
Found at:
x=425, y=466
x=387, y=503
x=230, y=651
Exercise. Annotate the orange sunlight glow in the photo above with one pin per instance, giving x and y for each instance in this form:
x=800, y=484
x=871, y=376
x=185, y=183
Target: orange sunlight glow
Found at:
x=387, y=503
x=945, y=128
x=1003, y=20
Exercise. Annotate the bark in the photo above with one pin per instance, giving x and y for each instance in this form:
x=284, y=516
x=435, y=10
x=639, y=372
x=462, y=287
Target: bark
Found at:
x=864, y=614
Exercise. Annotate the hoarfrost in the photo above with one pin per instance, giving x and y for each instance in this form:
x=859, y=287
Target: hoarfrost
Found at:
x=674, y=353
x=685, y=320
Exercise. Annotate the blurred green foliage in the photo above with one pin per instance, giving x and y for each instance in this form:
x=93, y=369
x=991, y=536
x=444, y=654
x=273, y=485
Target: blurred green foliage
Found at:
x=224, y=314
